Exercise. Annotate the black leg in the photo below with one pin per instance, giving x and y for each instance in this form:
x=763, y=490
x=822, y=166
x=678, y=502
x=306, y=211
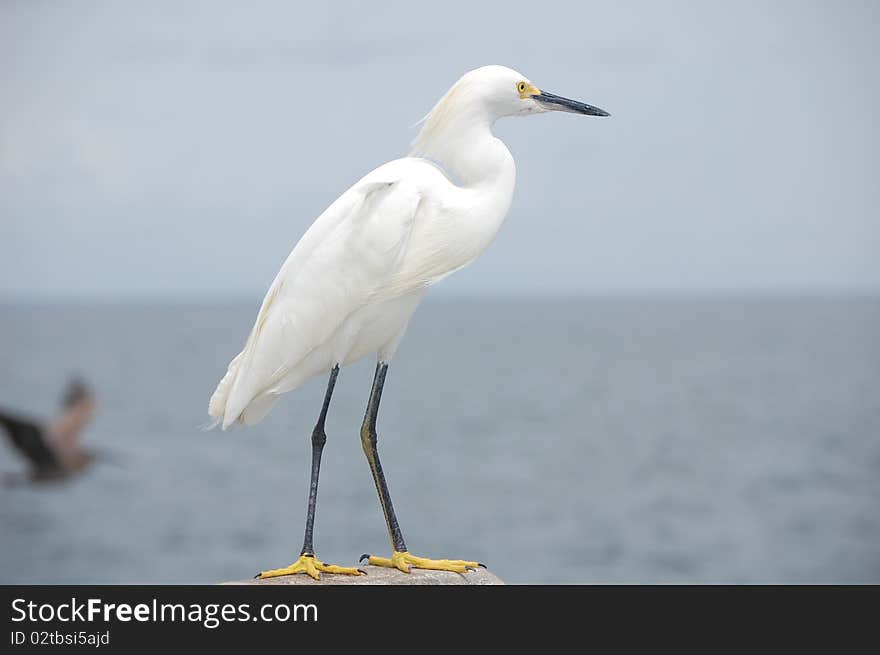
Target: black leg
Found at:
x=368, y=441
x=318, y=440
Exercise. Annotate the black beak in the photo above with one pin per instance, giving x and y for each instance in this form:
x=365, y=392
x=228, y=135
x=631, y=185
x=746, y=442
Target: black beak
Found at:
x=558, y=103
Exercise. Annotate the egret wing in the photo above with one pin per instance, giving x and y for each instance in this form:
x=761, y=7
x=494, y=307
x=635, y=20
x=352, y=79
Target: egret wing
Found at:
x=347, y=254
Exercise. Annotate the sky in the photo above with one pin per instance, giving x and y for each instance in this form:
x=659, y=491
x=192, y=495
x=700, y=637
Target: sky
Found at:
x=165, y=150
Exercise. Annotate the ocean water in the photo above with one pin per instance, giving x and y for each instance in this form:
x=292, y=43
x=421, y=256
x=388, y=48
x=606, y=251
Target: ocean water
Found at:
x=561, y=441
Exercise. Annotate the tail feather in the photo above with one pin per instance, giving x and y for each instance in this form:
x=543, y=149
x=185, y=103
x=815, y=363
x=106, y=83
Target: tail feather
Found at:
x=217, y=404
x=258, y=408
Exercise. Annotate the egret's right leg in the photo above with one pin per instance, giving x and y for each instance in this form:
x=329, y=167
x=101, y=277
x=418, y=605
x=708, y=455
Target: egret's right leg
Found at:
x=307, y=562
x=401, y=558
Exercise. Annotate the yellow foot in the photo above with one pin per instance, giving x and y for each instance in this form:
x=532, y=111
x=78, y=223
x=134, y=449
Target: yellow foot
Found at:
x=311, y=566
x=404, y=561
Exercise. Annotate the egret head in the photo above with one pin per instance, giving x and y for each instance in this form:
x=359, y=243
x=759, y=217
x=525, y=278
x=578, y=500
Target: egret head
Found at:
x=505, y=92
x=475, y=102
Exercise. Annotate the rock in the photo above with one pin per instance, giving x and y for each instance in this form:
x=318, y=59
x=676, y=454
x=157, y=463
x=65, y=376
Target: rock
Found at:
x=378, y=575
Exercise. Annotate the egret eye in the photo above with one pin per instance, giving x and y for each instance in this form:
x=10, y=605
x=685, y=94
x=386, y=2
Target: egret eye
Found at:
x=521, y=87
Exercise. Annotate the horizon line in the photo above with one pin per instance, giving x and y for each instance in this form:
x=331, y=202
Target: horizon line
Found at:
x=527, y=295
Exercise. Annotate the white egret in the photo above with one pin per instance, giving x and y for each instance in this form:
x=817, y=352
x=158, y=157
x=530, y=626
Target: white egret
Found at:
x=351, y=284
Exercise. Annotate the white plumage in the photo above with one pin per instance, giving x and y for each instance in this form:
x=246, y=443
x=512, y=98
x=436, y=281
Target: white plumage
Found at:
x=351, y=284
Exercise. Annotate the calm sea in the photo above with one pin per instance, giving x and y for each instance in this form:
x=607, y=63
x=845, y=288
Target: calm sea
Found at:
x=565, y=441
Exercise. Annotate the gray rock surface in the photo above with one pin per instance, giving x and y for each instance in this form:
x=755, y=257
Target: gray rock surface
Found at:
x=377, y=575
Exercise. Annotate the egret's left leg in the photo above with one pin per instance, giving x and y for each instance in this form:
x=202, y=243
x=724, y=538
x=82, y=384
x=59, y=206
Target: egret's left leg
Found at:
x=401, y=558
x=307, y=562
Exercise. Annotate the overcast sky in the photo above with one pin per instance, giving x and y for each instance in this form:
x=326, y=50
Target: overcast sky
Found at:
x=153, y=150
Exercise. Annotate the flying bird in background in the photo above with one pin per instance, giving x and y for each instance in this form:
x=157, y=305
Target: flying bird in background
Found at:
x=351, y=284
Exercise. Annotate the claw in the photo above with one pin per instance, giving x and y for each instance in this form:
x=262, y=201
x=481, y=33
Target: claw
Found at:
x=365, y=556
x=483, y=565
x=257, y=576
x=405, y=562
x=311, y=566
x=362, y=572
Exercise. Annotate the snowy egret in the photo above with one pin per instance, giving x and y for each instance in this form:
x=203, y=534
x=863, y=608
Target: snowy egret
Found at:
x=351, y=284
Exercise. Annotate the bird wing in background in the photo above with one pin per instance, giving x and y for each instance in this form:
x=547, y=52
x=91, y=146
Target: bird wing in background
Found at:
x=343, y=259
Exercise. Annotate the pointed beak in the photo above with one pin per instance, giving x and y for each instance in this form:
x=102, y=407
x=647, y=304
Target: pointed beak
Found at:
x=553, y=102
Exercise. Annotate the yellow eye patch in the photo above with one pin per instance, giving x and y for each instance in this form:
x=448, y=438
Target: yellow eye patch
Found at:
x=527, y=90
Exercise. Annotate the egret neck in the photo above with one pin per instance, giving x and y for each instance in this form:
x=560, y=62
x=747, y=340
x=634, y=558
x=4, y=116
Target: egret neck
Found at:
x=457, y=137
